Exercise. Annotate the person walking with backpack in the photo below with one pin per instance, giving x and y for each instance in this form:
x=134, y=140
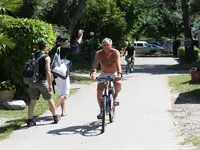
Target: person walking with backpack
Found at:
x=63, y=83
x=43, y=86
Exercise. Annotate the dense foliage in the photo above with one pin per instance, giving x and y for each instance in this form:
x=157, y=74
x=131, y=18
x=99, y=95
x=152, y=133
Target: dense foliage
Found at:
x=26, y=33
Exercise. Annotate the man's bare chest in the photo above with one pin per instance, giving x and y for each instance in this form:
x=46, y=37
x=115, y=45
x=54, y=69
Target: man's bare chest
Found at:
x=108, y=59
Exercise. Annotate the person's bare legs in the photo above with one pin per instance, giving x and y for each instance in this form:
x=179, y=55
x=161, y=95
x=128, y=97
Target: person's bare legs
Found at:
x=61, y=102
x=63, y=108
x=52, y=107
x=118, y=85
x=100, y=88
x=31, y=109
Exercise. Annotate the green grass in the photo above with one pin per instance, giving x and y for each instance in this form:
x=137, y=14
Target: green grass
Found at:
x=155, y=55
x=179, y=86
x=184, y=66
x=195, y=140
x=79, y=79
x=18, y=117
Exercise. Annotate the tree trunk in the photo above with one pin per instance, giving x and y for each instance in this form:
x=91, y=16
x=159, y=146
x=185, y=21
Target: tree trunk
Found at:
x=60, y=15
x=76, y=16
x=64, y=16
x=189, y=48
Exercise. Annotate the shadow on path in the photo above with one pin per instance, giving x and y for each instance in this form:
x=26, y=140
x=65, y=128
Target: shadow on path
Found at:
x=154, y=69
x=88, y=130
x=191, y=97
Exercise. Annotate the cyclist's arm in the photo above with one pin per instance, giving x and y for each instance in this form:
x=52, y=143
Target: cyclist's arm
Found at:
x=119, y=69
x=125, y=51
x=95, y=62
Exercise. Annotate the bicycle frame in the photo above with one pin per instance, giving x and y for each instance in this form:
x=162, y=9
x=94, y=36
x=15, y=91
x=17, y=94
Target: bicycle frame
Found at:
x=107, y=107
x=108, y=89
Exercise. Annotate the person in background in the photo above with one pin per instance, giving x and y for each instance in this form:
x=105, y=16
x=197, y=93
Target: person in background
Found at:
x=43, y=86
x=63, y=85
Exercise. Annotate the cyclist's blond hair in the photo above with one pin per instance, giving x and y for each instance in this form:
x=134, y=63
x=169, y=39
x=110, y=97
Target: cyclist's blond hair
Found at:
x=107, y=40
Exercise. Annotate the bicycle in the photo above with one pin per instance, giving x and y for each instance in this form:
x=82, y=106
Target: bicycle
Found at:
x=107, y=106
x=129, y=64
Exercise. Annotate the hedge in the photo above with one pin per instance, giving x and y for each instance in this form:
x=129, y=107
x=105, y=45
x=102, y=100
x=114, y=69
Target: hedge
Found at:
x=26, y=33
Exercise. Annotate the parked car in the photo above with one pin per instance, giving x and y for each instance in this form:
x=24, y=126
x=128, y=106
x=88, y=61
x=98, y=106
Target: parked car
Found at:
x=156, y=48
x=142, y=47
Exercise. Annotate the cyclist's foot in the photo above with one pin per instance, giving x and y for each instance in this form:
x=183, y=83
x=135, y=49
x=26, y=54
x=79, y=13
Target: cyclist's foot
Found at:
x=30, y=123
x=116, y=102
x=100, y=116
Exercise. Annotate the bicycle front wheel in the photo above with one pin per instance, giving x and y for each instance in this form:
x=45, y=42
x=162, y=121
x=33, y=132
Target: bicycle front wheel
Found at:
x=103, y=114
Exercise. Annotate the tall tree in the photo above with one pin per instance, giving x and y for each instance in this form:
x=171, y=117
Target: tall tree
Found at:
x=189, y=48
x=69, y=12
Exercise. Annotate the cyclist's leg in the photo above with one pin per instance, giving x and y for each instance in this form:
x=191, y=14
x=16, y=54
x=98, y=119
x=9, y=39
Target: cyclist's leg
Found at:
x=132, y=63
x=100, y=88
x=118, y=84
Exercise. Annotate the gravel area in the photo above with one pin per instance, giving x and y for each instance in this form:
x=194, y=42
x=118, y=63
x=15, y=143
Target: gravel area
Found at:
x=186, y=118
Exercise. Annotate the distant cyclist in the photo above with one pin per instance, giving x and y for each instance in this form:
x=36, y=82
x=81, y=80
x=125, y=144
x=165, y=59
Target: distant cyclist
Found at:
x=130, y=56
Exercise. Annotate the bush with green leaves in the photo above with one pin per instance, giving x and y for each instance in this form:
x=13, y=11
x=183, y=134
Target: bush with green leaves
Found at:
x=26, y=33
x=176, y=45
x=181, y=52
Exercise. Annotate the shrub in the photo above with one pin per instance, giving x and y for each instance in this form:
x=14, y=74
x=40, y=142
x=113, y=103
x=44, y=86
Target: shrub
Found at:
x=26, y=34
x=181, y=51
x=176, y=44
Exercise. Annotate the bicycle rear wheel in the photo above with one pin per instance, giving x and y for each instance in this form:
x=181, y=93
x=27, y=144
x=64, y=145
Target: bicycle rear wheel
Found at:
x=111, y=108
x=103, y=114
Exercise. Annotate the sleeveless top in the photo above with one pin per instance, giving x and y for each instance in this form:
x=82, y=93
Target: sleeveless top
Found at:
x=42, y=68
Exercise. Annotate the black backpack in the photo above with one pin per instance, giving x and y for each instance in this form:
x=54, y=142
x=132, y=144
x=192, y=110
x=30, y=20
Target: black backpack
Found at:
x=31, y=69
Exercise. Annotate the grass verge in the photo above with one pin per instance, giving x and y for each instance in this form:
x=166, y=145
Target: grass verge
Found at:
x=155, y=55
x=178, y=84
x=80, y=79
x=16, y=118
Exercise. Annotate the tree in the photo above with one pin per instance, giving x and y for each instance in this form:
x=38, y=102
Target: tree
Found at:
x=69, y=13
x=105, y=19
x=189, y=48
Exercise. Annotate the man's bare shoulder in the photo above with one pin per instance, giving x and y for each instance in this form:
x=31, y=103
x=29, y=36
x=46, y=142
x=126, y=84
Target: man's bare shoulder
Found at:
x=99, y=51
x=115, y=51
x=47, y=59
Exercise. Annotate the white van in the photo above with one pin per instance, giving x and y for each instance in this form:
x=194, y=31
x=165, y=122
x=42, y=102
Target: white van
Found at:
x=142, y=47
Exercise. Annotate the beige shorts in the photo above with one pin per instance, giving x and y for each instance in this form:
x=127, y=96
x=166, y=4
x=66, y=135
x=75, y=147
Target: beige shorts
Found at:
x=38, y=88
x=103, y=75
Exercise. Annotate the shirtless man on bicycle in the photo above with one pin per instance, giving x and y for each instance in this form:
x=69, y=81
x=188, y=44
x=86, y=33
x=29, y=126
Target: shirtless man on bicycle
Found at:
x=131, y=54
x=109, y=59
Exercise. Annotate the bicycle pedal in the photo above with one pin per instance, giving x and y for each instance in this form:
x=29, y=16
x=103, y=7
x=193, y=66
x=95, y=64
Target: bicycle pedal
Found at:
x=116, y=104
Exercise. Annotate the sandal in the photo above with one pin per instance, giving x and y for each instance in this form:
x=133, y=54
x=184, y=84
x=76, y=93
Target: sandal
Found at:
x=63, y=115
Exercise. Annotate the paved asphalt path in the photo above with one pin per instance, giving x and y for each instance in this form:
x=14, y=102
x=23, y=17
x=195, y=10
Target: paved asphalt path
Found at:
x=142, y=120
